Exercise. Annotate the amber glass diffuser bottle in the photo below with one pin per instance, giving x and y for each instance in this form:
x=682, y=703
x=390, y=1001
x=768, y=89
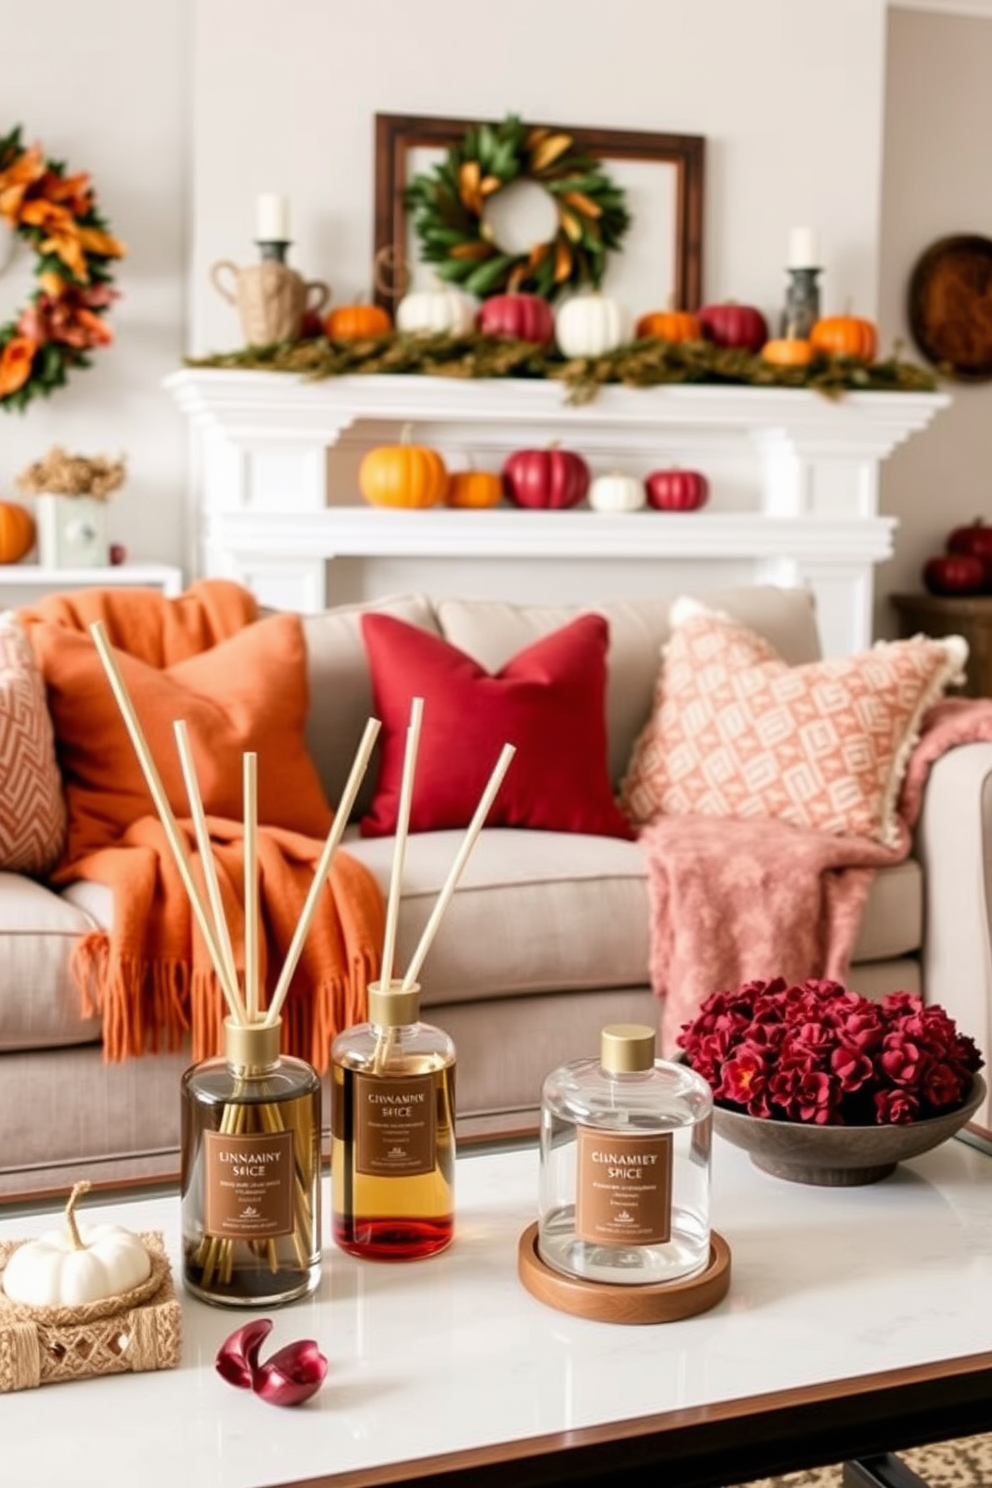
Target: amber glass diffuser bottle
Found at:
x=393, y=1131
x=251, y=1125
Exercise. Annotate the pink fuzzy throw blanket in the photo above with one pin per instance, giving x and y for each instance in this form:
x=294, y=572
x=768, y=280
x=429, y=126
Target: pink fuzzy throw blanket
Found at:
x=733, y=900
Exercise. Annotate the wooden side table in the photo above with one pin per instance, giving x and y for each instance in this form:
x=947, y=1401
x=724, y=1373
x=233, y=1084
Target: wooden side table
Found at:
x=965, y=615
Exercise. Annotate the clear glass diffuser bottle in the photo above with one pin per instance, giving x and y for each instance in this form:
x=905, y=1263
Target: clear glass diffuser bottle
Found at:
x=251, y=1125
x=393, y=1131
x=625, y=1164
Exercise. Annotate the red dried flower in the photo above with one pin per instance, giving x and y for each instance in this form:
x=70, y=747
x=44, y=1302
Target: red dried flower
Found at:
x=817, y=1052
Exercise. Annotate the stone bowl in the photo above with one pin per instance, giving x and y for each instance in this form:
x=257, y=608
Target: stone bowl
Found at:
x=839, y=1156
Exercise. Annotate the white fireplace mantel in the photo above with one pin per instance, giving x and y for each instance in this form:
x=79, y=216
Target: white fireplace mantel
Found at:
x=794, y=479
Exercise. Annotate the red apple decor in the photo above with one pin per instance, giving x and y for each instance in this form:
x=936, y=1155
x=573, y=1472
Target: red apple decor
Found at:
x=518, y=317
x=733, y=325
x=974, y=541
x=676, y=489
x=545, y=478
x=954, y=573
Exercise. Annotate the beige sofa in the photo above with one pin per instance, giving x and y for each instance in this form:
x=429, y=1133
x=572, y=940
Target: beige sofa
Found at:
x=545, y=940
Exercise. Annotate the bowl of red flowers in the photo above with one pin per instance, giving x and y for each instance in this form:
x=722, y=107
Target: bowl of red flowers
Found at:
x=820, y=1084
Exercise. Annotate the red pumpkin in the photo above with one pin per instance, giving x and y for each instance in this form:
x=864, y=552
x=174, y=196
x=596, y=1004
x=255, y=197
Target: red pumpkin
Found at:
x=518, y=317
x=545, y=478
x=954, y=573
x=730, y=324
x=975, y=541
x=676, y=490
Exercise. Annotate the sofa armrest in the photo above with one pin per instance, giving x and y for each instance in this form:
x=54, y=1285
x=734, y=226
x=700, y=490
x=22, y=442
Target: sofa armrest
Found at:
x=954, y=846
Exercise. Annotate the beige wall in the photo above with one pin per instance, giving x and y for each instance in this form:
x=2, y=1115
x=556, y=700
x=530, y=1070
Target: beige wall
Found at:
x=184, y=110
x=103, y=87
x=936, y=181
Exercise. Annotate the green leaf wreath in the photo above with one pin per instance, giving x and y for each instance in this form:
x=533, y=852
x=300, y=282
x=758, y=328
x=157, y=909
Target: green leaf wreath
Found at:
x=448, y=205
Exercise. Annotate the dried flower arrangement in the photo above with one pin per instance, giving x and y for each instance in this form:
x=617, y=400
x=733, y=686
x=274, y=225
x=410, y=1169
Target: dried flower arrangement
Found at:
x=62, y=474
x=819, y=1053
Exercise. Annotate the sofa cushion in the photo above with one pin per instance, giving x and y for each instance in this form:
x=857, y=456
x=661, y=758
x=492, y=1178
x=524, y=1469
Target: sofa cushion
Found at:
x=247, y=693
x=533, y=911
x=341, y=688
x=492, y=631
x=548, y=701
x=39, y=1001
x=32, y=806
x=738, y=732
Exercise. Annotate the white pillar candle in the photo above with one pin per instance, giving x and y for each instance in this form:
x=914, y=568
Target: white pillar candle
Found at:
x=272, y=219
x=804, y=251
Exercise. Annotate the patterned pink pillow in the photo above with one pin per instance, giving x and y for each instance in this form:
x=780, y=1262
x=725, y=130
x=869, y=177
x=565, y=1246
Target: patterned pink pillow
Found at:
x=735, y=731
x=32, y=806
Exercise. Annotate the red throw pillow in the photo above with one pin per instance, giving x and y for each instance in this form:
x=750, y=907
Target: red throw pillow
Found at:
x=248, y=693
x=548, y=701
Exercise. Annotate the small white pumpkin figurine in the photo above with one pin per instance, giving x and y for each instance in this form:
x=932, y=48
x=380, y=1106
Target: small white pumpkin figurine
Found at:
x=591, y=324
x=74, y=1265
x=442, y=310
x=617, y=492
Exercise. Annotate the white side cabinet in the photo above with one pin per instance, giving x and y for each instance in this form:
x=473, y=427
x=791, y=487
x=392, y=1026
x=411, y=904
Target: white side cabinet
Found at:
x=23, y=583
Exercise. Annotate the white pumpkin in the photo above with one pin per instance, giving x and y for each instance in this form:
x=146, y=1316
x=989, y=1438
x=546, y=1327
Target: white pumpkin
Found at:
x=616, y=492
x=74, y=1265
x=436, y=312
x=591, y=324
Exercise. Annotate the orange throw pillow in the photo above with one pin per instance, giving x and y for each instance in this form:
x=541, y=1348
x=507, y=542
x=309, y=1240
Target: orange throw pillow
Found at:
x=248, y=693
x=737, y=732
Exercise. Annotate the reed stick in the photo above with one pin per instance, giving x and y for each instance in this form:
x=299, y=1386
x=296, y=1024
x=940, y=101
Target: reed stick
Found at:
x=173, y=835
x=457, y=867
x=205, y=846
x=249, y=764
x=400, y=838
x=342, y=812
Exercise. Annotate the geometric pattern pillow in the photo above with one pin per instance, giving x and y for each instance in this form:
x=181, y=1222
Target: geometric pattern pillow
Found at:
x=32, y=806
x=737, y=732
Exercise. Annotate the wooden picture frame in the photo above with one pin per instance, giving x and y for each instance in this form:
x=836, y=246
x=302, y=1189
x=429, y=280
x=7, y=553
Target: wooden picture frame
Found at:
x=396, y=135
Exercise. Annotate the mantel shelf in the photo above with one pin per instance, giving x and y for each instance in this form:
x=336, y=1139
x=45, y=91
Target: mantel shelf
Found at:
x=506, y=532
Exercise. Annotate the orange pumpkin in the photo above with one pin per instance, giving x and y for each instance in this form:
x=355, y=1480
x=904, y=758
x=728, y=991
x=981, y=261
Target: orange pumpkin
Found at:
x=670, y=325
x=17, y=532
x=845, y=335
x=403, y=475
x=356, y=322
x=787, y=351
x=473, y=488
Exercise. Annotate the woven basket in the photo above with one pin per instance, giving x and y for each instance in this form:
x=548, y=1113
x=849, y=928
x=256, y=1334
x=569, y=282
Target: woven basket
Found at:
x=126, y=1334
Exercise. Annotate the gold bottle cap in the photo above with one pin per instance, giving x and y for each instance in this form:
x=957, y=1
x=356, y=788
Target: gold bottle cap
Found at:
x=627, y=1048
x=251, y=1043
x=392, y=1007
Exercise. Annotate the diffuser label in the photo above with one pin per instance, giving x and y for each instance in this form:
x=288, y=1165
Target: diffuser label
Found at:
x=249, y=1187
x=623, y=1188
x=395, y=1125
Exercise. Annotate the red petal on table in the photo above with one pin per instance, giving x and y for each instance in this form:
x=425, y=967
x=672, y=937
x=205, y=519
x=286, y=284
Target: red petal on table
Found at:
x=292, y=1374
x=237, y=1357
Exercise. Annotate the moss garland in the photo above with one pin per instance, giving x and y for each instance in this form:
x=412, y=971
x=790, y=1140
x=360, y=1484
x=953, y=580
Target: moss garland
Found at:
x=640, y=364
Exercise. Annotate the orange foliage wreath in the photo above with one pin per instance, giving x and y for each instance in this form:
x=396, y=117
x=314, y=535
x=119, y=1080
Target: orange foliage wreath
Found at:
x=57, y=216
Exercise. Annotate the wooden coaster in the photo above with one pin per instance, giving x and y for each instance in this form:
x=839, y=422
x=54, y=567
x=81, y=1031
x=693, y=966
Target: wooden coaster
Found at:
x=608, y=1302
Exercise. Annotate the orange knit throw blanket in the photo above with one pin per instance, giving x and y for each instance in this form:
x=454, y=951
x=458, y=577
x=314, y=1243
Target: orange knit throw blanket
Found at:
x=151, y=977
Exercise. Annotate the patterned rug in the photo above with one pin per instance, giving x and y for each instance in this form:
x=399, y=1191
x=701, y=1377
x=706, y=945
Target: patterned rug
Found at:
x=966, y=1463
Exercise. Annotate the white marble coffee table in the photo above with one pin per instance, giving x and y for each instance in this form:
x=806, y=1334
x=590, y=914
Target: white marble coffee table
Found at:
x=857, y=1320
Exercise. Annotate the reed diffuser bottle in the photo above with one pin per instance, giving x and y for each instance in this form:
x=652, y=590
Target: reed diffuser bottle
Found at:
x=625, y=1165
x=251, y=1124
x=393, y=1131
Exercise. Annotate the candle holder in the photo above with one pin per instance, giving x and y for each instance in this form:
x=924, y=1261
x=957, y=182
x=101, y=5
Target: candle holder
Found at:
x=802, y=302
x=271, y=298
x=273, y=248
